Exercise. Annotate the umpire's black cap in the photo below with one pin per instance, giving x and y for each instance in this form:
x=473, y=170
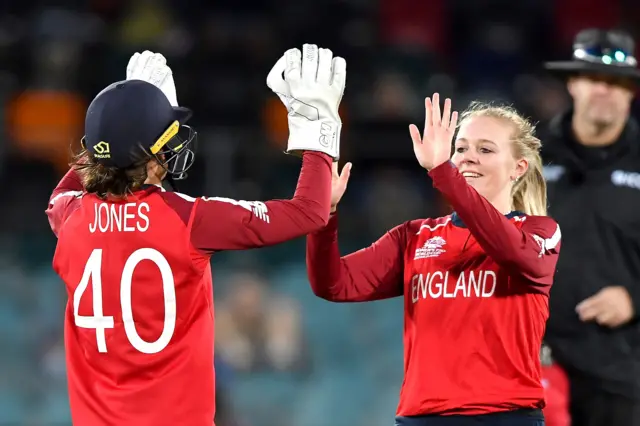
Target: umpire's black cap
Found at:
x=607, y=52
x=129, y=121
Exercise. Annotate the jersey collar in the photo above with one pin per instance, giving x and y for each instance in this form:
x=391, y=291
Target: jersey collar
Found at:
x=456, y=221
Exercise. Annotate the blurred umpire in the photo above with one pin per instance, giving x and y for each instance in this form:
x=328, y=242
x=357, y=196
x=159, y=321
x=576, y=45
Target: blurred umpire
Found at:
x=592, y=157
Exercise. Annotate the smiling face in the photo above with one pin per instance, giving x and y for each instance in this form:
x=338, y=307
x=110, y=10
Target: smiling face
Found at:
x=484, y=155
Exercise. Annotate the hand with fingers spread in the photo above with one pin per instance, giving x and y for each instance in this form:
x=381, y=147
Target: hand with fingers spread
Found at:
x=434, y=146
x=311, y=90
x=152, y=68
x=339, y=183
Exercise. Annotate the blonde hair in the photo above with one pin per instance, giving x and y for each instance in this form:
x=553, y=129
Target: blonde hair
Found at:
x=529, y=192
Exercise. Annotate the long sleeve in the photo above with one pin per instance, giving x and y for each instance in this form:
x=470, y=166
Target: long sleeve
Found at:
x=64, y=199
x=373, y=273
x=531, y=251
x=226, y=224
x=634, y=293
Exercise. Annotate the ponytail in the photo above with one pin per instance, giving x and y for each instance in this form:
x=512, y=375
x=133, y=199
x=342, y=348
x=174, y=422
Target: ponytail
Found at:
x=530, y=191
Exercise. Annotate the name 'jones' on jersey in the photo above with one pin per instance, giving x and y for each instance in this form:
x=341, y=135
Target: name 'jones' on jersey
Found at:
x=123, y=217
x=443, y=283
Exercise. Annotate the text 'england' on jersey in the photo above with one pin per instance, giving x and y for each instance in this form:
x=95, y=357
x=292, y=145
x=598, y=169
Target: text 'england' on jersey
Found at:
x=479, y=313
x=447, y=269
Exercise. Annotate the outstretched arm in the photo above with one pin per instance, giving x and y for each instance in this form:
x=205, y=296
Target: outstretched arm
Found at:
x=530, y=251
x=373, y=273
x=225, y=224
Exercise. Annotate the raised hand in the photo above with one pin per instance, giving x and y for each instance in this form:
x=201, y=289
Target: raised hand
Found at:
x=311, y=90
x=338, y=183
x=434, y=146
x=152, y=68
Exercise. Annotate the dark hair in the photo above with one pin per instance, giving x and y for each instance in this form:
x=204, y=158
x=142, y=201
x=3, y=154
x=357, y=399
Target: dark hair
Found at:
x=108, y=181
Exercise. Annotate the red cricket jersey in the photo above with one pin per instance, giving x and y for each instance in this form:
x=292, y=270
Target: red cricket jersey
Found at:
x=139, y=324
x=475, y=286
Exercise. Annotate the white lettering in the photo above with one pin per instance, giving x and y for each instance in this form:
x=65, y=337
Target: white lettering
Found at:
x=103, y=225
x=129, y=217
x=415, y=287
x=93, y=226
x=460, y=286
x=623, y=178
x=553, y=173
x=114, y=217
x=475, y=284
x=445, y=283
x=437, y=285
x=491, y=277
x=143, y=208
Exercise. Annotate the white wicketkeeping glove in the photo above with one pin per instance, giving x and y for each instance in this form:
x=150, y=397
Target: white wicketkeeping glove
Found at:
x=311, y=90
x=152, y=67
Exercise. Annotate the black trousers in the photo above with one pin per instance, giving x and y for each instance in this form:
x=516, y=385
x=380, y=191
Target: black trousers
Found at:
x=593, y=407
x=523, y=417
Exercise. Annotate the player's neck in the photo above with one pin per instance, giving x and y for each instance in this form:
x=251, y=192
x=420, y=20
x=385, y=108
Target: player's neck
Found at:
x=153, y=180
x=155, y=173
x=504, y=204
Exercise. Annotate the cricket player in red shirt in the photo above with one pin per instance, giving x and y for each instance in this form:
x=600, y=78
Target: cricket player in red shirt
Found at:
x=475, y=283
x=139, y=324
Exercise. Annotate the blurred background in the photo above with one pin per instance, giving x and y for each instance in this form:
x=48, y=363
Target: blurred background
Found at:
x=284, y=357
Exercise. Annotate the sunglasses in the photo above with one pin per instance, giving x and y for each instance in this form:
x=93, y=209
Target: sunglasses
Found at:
x=605, y=55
